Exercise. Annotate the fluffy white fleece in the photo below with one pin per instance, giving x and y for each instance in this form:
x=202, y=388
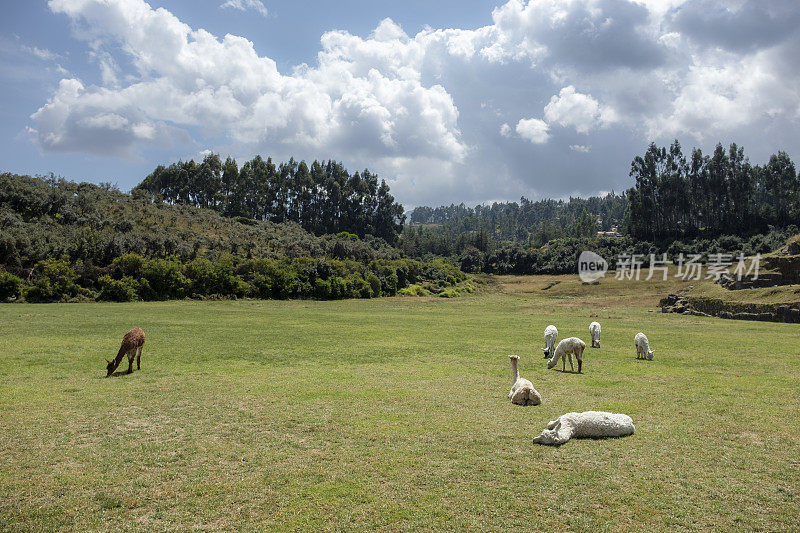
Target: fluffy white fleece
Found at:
x=589, y=424
x=565, y=348
x=522, y=391
x=594, y=333
x=550, y=336
x=643, y=350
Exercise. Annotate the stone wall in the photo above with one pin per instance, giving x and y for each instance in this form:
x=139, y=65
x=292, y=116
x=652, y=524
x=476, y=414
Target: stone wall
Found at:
x=698, y=306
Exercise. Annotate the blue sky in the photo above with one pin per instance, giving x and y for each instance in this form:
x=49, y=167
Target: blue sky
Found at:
x=449, y=101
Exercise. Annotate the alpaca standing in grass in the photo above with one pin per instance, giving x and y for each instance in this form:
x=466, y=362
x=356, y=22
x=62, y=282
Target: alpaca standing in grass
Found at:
x=566, y=348
x=594, y=332
x=643, y=350
x=589, y=424
x=132, y=344
x=522, y=391
x=550, y=336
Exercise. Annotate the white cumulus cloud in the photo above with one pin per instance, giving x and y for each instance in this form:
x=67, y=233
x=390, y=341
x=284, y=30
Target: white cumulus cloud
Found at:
x=572, y=109
x=364, y=97
x=533, y=130
x=424, y=109
x=244, y=5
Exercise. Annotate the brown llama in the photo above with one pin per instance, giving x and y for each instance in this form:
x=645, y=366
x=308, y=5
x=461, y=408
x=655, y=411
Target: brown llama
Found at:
x=132, y=344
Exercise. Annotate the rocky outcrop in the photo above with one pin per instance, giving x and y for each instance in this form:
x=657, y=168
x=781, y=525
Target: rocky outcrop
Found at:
x=787, y=265
x=767, y=279
x=675, y=303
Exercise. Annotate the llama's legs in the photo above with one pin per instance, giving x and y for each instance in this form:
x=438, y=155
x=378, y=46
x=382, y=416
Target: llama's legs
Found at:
x=571, y=366
x=563, y=432
x=580, y=362
x=563, y=363
x=139, y=358
x=131, y=355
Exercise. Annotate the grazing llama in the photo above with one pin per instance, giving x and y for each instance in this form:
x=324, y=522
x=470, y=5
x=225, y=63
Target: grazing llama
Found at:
x=550, y=336
x=594, y=332
x=132, y=344
x=522, y=391
x=643, y=350
x=566, y=348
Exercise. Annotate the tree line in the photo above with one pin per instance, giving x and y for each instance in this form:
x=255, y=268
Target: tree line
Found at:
x=449, y=230
x=323, y=197
x=706, y=204
x=66, y=241
x=675, y=197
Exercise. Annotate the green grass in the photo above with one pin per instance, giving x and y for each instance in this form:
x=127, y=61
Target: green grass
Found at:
x=392, y=414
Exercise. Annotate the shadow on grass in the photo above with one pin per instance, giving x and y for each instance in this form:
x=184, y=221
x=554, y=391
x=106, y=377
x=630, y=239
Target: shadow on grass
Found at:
x=119, y=373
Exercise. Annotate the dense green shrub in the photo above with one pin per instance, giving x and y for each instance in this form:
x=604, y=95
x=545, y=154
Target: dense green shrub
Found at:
x=472, y=260
x=10, y=286
x=414, y=290
x=117, y=290
x=358, y=287
x=120, y=247
x=131, y=277
x=165, y=279
x=374, y=284
x=201, y=274
x=129, y=264
x=322, y=289
x=55, y=281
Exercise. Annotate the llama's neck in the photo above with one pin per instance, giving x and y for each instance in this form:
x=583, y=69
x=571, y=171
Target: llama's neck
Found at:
x=554, y=358
x=117, y=360
x=514, y=371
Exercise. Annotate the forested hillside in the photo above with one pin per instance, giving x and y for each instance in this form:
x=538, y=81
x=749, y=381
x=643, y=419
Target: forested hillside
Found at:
x=716, y=204
x=707, y=196
x=293, y=230
x=61, y=240
x=322, y=198
x=450, y=229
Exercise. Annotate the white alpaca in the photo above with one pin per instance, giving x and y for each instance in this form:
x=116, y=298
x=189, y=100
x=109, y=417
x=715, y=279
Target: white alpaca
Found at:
x=566, y=348
x=594, y=332
x=550, y=336
x=643, y=350
x=591, y=424
x=522, y=391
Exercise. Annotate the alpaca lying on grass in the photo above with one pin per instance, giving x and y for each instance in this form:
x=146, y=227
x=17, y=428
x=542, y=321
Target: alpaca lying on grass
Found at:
x=550, y=336
x=566, y=348
x=589, y=424
x=594, y=332
x=643, y=350
x=522, y=391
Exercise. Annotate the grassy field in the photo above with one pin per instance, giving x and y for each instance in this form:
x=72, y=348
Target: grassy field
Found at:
x=392, y=414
